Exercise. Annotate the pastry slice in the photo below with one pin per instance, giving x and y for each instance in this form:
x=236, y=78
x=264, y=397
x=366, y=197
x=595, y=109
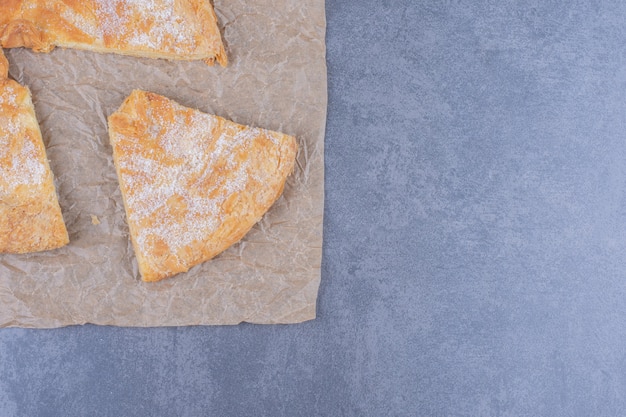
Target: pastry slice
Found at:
x=192, y=183
x=30, y=216
x=169, y=29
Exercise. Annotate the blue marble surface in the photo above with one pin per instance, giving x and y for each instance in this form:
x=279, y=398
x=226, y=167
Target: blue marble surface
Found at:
x=474, y=239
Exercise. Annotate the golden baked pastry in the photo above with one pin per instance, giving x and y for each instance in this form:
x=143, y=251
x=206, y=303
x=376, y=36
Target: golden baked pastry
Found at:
x=4, y=66
x=192, y=183
x=30, y=216
x=169, y=29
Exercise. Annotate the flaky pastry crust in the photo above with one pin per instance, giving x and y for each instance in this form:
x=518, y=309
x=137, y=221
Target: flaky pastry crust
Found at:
x=30, y=216
x=169, y=29
x=193, y=184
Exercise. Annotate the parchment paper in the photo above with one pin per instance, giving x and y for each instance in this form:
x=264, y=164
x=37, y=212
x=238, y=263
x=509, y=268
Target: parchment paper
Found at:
x=276, y=79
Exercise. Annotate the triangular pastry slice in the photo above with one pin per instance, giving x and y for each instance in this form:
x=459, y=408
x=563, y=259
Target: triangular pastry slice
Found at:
x=30, y=216
x=169, y=29
x=192, y=183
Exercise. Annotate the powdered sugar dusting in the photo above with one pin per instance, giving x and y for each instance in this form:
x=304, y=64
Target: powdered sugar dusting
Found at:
x=187, y=187
x=27, y=167
x=87, y=26
x=165, y=28
x=22, y=163
x=8, y=96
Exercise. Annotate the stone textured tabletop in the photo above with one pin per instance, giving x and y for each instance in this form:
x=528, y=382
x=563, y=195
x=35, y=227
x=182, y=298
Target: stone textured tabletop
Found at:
x=474, y=240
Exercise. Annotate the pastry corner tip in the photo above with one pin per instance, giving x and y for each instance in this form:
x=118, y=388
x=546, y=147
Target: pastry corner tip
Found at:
x=4, y=65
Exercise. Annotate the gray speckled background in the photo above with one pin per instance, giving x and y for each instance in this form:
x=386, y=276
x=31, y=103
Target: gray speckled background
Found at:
x=475, y=239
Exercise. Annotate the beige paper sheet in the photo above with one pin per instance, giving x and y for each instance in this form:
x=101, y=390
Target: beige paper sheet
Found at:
x=276, y=79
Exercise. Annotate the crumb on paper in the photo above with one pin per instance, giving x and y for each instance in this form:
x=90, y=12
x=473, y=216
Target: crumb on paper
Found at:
x=94, y=219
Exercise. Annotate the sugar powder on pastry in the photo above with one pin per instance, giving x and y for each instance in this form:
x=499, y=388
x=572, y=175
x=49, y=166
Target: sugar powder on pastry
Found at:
x=169, y=29
x=30, y=215
x=192, y=183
